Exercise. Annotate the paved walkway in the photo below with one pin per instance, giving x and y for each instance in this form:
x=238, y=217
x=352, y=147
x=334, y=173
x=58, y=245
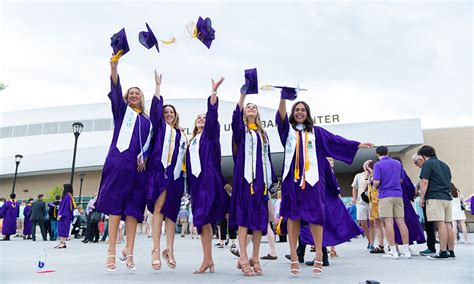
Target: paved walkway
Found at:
x=85, y=263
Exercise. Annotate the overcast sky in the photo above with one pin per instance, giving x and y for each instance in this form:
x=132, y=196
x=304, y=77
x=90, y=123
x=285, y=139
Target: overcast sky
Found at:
x=362, y=60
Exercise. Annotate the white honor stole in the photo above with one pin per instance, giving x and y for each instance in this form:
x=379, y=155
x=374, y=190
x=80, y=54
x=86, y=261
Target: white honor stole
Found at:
x=126, y=130
x=250, y=163
x=194, y=155
x=311, y=176
x=179, y=161
x=168, y=146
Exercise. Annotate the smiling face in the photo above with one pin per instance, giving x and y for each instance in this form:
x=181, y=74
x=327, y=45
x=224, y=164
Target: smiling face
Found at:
x=169, y=115
x=200, y=121
x=300, y=113
x=133, y=98
x=251, y=111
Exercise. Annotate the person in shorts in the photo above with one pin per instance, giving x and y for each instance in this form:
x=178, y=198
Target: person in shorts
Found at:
x=359, y=185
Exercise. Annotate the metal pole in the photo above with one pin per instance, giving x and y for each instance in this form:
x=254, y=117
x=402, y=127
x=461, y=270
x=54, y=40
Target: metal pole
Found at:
x=80, y=192
x=14, y=179
x=76, y=135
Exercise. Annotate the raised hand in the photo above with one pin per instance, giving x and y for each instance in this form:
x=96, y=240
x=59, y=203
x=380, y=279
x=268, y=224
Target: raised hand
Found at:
x=366, y=145
x=158, y=77
x=113, y=64
x=215, y=85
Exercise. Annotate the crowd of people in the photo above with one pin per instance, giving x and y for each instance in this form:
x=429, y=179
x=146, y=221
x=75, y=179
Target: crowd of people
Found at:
x=150, y=160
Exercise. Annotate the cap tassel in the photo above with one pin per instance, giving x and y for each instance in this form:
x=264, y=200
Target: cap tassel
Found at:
x=169, y=41
x=252, y=192
x=265, y=191
x=117, y=56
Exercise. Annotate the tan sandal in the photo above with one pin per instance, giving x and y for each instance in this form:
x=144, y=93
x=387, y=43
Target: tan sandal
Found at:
x=318, y=270
x=246, y=268
x=257, y=268
x=169, y=261
x=155, y=264
x=203, y=269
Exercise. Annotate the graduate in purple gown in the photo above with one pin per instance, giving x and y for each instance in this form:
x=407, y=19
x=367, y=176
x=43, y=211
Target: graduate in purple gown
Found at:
x=65, y=215
x=415, y=231
x=253, y=175
x=209, y=199
x=9, y=212
x=165, y=185
x=27, y=223
x=122, y=192
x=303, y=180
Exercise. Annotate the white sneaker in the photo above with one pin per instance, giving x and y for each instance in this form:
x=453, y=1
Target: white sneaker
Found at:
x=391, y=254
x=406, y=255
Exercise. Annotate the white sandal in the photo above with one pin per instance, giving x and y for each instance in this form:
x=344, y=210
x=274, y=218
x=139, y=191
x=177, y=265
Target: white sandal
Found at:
x=317, y=270
x=111, y=266
x=155, y=264
x=295, y=271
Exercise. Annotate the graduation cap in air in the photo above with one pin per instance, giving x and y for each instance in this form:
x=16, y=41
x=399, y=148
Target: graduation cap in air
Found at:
x=251, y=82
x=148, y=39
x=119, y=44
x=289, y=93
x=204, y=31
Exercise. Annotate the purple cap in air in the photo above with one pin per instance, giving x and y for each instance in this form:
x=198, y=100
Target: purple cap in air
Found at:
x=119, y=42
x=205, y=32
x=251, y=82
x=148, y=39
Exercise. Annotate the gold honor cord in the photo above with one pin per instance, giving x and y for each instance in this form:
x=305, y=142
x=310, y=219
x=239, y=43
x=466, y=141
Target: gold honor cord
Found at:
x=117, y=56
x=73, y=203
x=13, y=201
x=171, y=146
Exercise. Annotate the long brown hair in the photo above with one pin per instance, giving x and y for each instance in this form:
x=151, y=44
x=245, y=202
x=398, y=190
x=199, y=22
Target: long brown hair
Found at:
x=258, y=122
x=175, y=122
x=195, y=130
x=308, y=123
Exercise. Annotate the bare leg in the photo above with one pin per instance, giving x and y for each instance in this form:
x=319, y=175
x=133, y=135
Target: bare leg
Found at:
x=455, y=228
x=170, y=232
x=380, y=233
x=271, y=240
x=450, y=240
x=242, y=236
x=403, y=230
x=156, y=223
x=464, y=231
x=442, y=235
x=293, y=235
x=114, y=222
x=206, y=242
x=131, y=228
x=365, y=226
x=389, y=232
x=372, y=230
x=257, y=239
x=317, y=232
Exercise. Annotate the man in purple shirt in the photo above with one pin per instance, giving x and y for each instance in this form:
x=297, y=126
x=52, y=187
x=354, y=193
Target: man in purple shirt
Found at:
x=388, y=174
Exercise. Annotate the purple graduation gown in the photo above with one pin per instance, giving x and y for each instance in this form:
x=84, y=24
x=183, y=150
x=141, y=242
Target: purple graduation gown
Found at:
x=27, y=222
x=66, y=212
x=122, y=188
x=339, y=226
x=309, y=204
x=157, y=178
x=10, y=211
x=209, y=200
x=415, y=231
x=247, y=210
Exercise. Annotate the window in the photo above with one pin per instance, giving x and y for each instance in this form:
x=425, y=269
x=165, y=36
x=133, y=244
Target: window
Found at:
x=102, y=124
x=65, y=126
x=35, y=129
x=6, y=132
x=19, y=130
x=51, y=128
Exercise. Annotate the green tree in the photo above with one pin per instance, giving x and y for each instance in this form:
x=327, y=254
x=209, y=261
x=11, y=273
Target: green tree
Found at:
x=50, y=195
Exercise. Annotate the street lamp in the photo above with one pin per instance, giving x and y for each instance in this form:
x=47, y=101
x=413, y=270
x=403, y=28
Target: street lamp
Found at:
x=81, y=176
x=76, y=129
x=18, y=158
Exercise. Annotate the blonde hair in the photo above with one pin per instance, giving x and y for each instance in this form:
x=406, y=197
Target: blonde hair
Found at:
x=142, y=99
x=195, y=130
x=258, y=122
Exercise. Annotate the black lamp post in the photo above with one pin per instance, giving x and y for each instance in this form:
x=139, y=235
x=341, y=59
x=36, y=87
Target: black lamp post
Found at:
x=18, y=158
x=81, y=176
x=76, y=129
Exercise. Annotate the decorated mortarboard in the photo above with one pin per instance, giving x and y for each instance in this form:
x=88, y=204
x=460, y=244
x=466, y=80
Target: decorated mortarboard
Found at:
x=148, y=39
x=119, y=44
x=202, y=30
x=251, y=82
x=289, y=93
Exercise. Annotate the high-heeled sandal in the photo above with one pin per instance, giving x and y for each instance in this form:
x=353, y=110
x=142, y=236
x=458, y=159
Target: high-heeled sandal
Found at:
x=111, y=266
x=318, y=270
x=334, y=253
x=246, y=268
x=61, y=245
x=202, y=269
x=295, y=271
x=257, y=268
x=155, y=264
x=169, y=261
x=131, y=265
